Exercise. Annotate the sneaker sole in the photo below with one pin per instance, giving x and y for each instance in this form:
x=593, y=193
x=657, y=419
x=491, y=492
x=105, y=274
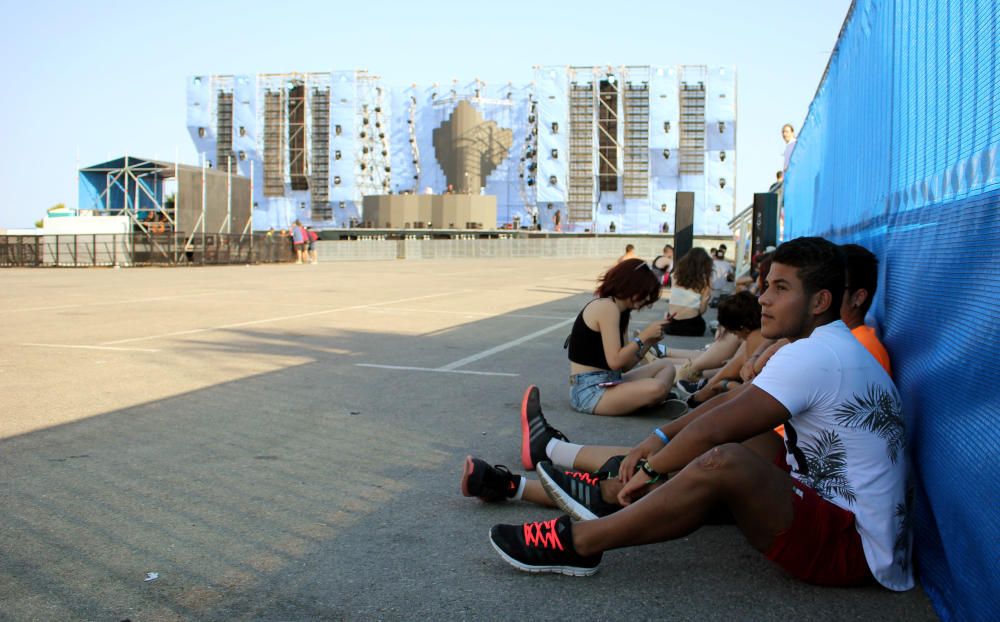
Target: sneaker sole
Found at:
x=526, y=433
x=469, y=467
x=672, y=409
x=569, y=571
x=565, y=502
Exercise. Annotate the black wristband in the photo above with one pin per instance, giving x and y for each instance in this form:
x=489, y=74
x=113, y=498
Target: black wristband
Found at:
x=648, y=470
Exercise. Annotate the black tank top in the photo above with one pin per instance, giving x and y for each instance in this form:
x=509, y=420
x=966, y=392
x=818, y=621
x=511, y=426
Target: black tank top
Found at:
x=585, y=345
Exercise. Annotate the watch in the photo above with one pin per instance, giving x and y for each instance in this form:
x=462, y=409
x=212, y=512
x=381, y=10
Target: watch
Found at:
x=648, y=470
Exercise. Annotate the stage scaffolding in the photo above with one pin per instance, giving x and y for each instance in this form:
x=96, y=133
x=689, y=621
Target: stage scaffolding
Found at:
x=208, y=206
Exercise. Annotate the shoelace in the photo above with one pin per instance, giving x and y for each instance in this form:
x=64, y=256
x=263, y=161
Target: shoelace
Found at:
x=542, y=534
x=586, y=478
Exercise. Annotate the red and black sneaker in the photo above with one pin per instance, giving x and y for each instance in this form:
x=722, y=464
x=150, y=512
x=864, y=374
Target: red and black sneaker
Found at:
x=489, y=483
x=545, y=546
x=535, y=430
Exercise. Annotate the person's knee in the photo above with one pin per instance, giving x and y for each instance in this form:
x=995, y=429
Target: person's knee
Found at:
x=723, y=458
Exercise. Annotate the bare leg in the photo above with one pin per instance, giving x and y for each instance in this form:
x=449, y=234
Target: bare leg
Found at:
x=592, y=457
x=644, y=386
x=758, y=494
x=534, y=493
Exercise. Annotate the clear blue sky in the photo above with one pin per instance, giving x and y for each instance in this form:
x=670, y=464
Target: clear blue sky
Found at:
x=100, y=79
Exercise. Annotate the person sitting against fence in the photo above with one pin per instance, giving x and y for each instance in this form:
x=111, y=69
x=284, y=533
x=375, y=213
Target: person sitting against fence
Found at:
x=595, y=466
x=861, y=285
x=830, y=507
x=690, y=290
x=606, y=377
x=739, y=315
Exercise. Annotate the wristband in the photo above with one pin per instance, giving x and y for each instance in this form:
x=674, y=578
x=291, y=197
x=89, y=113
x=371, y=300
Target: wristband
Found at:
x=663, y=437
x=641, y=345
x=648, y=470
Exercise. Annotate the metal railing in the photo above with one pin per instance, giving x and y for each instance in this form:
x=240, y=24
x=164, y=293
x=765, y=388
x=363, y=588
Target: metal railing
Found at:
x=166, y=249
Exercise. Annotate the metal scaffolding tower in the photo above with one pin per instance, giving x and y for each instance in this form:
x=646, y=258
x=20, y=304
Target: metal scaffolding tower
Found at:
x=320, y=154
x=374, y=170
x=298, y=169
x=274, y=142
x=581, y=153
x=224, y=129
x=635, y=179
x=608, y=149
x=692, y=100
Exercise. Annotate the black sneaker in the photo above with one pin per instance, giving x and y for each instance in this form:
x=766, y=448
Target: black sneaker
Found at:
x=489, y=483
x=535, y=430
x=545, y=546
x=575, y=492
x=690, y=387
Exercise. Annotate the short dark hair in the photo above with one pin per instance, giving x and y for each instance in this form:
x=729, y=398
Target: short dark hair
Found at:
x=632, y=278
x=820, y=264
x=629, y=247
x=741, y=311
x=862, y=272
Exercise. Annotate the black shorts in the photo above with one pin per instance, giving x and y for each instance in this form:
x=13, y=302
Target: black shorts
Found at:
x=691, y=327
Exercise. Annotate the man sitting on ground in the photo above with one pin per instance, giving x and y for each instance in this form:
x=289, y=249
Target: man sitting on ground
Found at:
x=833, y=512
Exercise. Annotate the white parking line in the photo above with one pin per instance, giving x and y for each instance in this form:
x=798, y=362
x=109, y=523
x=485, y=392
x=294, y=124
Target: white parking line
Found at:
x=505, y=346
x=63, y=345
x=452, y=368
x=277, y=319
x=439, y=370
x=108, y=302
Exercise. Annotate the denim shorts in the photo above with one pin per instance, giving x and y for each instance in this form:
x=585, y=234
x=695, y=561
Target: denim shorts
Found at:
x=584, y=394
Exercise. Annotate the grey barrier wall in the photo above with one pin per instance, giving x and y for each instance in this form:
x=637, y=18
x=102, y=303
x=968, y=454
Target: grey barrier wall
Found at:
x=167, y=249
x=458, y=248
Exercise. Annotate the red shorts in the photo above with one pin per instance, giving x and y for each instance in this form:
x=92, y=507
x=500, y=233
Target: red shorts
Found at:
x=822, y=546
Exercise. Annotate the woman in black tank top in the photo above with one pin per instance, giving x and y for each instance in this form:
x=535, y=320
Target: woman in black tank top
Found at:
x=606, y=377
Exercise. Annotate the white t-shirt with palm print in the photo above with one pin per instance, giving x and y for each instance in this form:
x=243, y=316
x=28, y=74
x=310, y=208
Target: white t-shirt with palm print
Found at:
x=845, y=440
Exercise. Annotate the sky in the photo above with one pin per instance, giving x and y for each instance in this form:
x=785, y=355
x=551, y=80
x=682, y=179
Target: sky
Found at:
x=85, y=82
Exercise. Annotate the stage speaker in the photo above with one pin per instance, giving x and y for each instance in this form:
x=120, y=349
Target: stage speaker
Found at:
x=765, y=222
x=683, y=224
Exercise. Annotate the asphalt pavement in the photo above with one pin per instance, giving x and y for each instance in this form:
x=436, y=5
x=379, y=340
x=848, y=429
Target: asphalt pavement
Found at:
x=285, y=442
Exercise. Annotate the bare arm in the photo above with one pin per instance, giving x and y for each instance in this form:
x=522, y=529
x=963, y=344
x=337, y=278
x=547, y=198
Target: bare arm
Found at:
x=621, y=357
x=751, y=412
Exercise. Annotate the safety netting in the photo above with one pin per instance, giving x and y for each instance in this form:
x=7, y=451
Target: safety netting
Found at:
x=900, y=152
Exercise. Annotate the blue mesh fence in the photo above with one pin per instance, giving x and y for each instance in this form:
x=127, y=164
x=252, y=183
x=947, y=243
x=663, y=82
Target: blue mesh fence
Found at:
x=900, y=152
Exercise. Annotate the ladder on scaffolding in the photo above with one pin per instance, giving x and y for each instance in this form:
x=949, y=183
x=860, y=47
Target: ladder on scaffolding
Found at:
x=580, y=186
x=319, y=186
x=224, y=130
x=692, y=136
x=635, y=176
x=274, y=143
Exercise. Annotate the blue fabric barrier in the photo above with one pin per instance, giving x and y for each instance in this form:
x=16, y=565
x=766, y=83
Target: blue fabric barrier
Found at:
x=900, y=152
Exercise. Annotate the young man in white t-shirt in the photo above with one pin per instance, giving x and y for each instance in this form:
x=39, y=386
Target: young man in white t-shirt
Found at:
x=830, y=507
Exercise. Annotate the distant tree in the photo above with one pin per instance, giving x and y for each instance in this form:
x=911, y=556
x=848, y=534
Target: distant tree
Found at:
x=56, y=208
x=170, y=201
x=39, y=224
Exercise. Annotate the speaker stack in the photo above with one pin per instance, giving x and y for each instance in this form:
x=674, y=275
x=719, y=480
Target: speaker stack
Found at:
x=765, y=222
x=683, y=224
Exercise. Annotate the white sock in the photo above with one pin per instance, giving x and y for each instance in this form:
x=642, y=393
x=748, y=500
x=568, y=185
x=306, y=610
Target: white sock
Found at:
x=561, y=452
x=520, y=489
